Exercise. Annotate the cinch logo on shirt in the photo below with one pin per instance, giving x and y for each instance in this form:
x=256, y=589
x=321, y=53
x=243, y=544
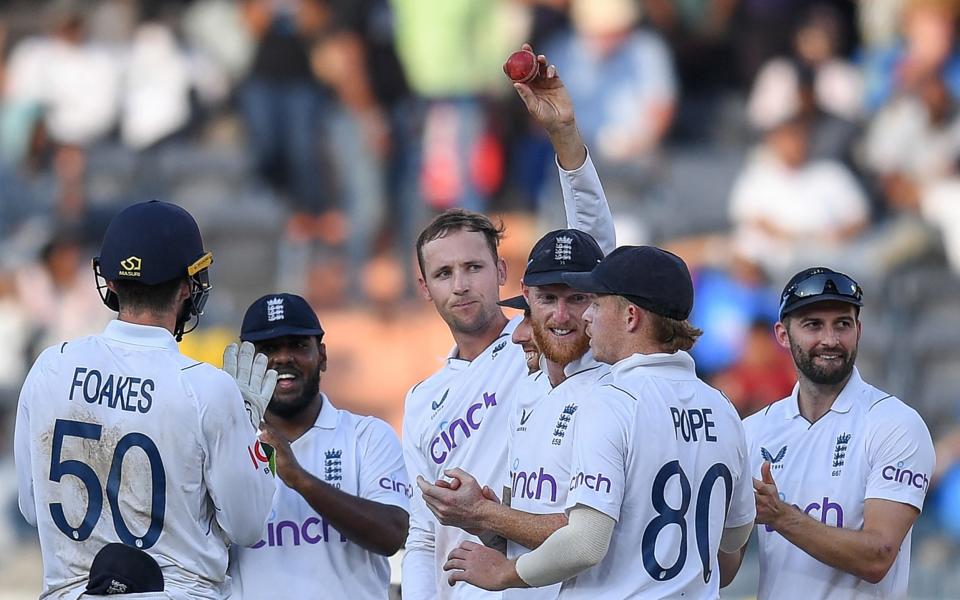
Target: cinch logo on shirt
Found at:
x=391, y=484
x=901, y=475
x=592, y=482
x=446, y=441
x=532, y=485
x=312, y=531
x=822, y=511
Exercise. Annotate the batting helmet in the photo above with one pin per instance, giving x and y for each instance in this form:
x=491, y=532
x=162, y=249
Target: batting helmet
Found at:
x=152, y=243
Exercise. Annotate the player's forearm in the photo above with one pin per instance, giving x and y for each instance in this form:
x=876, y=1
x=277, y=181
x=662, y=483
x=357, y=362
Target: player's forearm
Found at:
x=527, y=529
x=569, y=146
x=376, y=527
x=730, y=565
x=419, y=578
x=862, y=553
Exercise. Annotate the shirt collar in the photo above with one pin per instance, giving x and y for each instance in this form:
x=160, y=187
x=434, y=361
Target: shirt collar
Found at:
x=678, y=365
x=842, y=404
x=329, y=414
x=585, y=362
x=140, y=335
x=453, y=356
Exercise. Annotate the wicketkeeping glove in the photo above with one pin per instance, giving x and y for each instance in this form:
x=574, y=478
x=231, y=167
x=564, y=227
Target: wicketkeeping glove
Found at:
x=256, y=382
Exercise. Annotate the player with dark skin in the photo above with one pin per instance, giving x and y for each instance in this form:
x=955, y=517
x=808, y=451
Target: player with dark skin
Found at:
x=299, y=362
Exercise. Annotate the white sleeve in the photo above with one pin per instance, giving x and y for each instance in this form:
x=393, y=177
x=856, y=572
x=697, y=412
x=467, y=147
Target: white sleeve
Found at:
x=586, y=205
x=21, y=449
x=743, y=507
x=600, y=445
x=383, y=476
x=899, y=453
x=573, y=548
x=242, y=494
x=419, y=576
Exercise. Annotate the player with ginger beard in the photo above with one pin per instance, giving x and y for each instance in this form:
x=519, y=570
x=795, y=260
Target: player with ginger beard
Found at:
x=458, y=417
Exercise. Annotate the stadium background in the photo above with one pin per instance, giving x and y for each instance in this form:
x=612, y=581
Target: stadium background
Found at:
x=312, y=138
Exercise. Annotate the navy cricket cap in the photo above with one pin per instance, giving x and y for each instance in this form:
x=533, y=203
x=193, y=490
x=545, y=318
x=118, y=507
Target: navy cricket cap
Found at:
x=277, y=315
x=650, y=277
x=120, y=569
x=152, y=242
x=558, y=252
x=517, y=302
x=819, y=284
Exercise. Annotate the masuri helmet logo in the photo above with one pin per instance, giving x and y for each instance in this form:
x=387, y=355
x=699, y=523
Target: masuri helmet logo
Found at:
x=131, y=266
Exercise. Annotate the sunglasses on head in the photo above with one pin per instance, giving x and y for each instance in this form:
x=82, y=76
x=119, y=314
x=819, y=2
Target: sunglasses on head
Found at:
x=821, y=283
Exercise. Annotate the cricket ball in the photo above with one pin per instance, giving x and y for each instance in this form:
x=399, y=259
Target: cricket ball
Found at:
x=522, y=66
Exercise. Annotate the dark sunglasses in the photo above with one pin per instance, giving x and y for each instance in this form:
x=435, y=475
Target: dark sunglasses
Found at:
x=821, y=283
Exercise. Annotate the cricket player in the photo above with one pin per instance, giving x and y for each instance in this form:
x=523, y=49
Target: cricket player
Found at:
x=120, y=438
x=841, y=467
x=660, y=478
x=342, y=501
x=458, y=417
x=540, y=430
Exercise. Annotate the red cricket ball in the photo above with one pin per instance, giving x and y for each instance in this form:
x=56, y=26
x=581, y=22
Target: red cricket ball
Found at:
x=522, y=66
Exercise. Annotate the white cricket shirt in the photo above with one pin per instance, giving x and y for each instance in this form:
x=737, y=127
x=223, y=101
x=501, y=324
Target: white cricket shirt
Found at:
x=120, y=438
x=541, y=448
x=358, y=455
x=664, y=455
x=458, y=417
x=868, y=445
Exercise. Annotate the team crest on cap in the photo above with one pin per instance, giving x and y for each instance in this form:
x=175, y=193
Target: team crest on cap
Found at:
x=130, y=266
x=275, y=309
x=563, y=249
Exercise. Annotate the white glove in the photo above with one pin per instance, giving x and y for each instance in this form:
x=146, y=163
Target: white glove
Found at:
x=256, y=382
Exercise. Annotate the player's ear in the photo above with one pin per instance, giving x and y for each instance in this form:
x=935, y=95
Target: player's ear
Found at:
x=424, y=290
x=781, y=330
x=322, y=348
x=501, y=271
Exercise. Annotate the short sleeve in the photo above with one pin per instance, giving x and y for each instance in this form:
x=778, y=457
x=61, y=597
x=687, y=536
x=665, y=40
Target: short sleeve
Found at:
x=383, y=476
x=743, y=507
x=900, y=454
x=600, y=444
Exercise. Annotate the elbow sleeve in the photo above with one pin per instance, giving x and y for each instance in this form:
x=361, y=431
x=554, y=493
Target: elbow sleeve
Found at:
x=734, y=538
x=581, y=544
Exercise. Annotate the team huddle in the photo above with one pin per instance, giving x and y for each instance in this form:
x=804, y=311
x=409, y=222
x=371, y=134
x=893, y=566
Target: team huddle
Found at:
x=568, y=452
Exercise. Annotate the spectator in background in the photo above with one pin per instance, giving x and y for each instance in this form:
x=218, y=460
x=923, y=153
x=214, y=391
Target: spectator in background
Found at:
x=928, y=46
x=814, y=80
x=762, y=373
x=67, y=85
x=785, y=206
x=156, y=87
x=281, y=103
x=452, y=53
x=56, y=296
x=624, y=77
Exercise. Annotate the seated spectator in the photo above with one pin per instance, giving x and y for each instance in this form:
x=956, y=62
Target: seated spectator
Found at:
x=784, y=206
x=624, y=79
x=625, y=76
x=928, y=45
x=914, y=140
x=815, y=80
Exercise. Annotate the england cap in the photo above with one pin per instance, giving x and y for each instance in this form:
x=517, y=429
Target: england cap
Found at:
x=517, y=302
x=650, y=277
x=558, y=252
x=276, y=315
x=121, y=569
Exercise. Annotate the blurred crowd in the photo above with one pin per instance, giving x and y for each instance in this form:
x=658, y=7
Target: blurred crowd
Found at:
x=312, y=138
